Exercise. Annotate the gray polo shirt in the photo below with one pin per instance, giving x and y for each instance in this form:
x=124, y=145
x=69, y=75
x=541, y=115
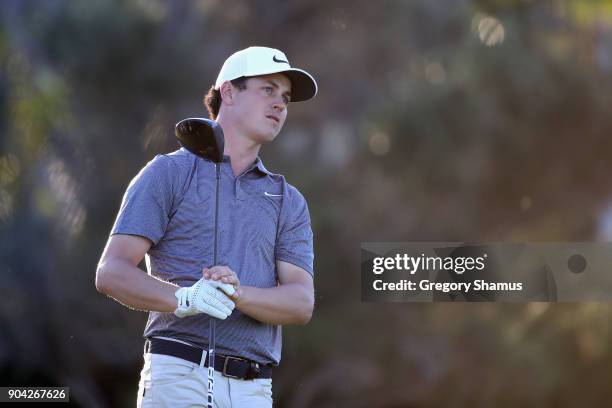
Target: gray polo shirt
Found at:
x=262, y=219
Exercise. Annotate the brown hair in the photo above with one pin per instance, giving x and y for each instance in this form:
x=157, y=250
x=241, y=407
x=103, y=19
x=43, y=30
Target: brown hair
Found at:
x=212, y=100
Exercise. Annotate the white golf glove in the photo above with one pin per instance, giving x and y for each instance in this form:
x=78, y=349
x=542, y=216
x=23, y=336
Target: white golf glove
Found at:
x=205, y=296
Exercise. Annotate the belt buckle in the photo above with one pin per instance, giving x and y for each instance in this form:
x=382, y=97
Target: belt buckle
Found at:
x=253, y=371
x=225, y=373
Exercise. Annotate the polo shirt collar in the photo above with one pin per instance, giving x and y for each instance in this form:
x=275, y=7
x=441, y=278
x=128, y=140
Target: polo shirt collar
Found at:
x=260, y=166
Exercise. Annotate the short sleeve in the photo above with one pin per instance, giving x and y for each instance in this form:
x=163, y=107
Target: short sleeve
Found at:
x=148, y=200
x=294, y=243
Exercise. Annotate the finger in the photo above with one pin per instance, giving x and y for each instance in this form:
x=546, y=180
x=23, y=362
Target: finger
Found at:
x=237, y=295
x=222, y=272
x=230, y=279
x=227, y=289
x=210, y=310
x=227, y=302
x=227, y=277
x=217, y=300
x=221, y=306
x=215, y=272
x=220, y=292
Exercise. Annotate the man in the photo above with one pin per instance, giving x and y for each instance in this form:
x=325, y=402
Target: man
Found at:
x=264, y=277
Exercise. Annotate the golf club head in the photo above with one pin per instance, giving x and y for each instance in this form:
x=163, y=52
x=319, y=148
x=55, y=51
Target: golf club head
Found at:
x=202, y=137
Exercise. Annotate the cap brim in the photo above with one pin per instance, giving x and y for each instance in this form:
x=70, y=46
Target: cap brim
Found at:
x=303, y=85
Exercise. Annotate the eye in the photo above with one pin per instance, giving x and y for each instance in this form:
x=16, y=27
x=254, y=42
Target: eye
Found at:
x=268, y=89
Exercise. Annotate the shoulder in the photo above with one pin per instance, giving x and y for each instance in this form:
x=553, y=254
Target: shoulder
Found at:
x=170, y=165
x=180, y=159
x=165, y=171
x=296, y=202
x=294, y=194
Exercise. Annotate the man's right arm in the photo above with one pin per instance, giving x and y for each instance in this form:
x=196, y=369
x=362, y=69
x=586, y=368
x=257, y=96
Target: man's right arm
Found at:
x=119, y=277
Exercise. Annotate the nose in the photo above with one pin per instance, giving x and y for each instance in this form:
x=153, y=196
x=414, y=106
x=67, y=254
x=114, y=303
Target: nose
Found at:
x=279, y=104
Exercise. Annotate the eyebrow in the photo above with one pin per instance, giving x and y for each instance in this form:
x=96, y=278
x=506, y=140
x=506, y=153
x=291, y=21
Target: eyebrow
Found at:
x=275, y=85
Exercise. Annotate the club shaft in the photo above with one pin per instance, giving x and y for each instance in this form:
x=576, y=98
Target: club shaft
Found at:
x=213, y=321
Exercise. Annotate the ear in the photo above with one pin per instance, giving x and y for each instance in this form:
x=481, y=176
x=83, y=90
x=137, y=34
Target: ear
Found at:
x=227, y=93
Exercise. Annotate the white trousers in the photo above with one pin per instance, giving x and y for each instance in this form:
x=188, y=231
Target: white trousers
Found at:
x=167, y=381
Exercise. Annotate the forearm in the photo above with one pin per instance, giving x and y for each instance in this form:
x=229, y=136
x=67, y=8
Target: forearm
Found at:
x=288, y=303
x=134, y=288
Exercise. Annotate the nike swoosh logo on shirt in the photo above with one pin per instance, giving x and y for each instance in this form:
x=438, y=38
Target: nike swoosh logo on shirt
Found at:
x=272, y=195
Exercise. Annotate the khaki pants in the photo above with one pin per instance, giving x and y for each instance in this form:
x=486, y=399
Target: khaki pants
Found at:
x=167, y=381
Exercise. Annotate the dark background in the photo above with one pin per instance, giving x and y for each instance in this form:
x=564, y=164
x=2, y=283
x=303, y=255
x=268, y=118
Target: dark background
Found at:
x=449, y=120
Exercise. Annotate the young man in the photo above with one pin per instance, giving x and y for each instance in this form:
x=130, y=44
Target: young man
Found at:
x=264, y=277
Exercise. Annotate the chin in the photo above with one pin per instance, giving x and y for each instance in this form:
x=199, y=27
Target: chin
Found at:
x=266, y=137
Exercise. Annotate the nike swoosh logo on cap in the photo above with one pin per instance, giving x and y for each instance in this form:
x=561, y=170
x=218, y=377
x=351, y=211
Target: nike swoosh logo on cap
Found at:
x=279, y=60
x=272, y=195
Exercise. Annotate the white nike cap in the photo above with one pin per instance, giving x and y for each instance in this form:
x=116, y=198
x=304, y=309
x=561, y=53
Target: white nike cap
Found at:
x=255, y=61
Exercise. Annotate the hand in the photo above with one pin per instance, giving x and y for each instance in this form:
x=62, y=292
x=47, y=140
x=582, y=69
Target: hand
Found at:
x=226, y=275
x=205, y=296
x=221, y=273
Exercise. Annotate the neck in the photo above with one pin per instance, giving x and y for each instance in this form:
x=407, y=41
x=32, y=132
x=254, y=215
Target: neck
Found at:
x=239, y=148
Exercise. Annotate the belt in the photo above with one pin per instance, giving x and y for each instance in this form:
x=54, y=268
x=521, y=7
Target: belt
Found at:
x=232, y=367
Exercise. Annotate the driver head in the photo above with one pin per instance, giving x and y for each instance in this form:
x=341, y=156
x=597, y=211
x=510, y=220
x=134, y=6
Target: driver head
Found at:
x=202, y=137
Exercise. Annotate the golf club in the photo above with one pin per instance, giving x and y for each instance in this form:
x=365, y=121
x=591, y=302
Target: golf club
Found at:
x=204, y=138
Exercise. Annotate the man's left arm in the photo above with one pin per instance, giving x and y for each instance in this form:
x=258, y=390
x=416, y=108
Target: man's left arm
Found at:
x=290, y=302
